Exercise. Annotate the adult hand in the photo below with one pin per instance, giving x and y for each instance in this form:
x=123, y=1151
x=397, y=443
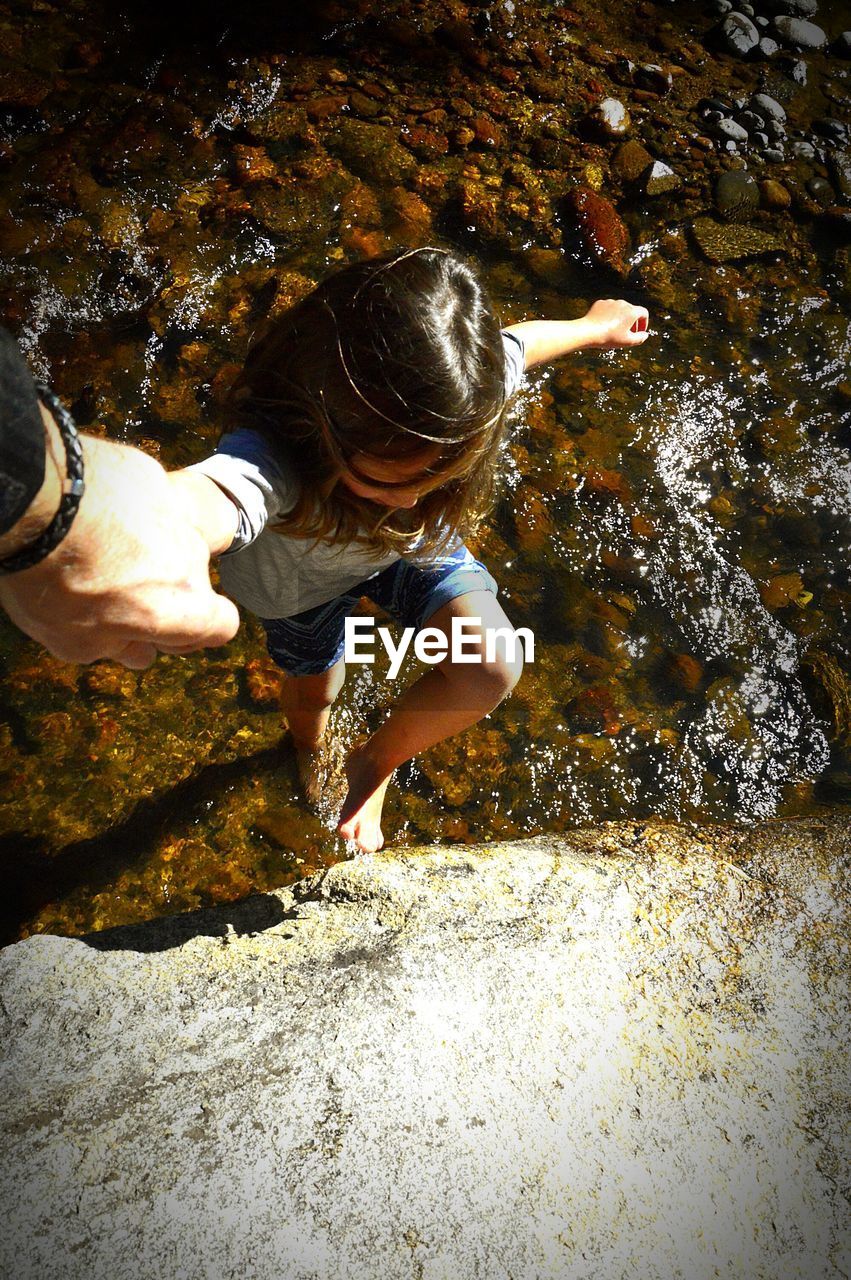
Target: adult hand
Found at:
x=131, y=578
x=616, y=323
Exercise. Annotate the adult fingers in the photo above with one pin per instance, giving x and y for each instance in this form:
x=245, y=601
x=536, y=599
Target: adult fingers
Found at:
x=137, y=655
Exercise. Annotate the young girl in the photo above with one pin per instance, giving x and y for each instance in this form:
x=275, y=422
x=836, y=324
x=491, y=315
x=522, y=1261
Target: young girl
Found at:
x=368, y=423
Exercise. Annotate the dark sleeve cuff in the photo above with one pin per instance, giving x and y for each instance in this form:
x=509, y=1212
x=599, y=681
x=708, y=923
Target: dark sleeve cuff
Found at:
x=22, y=442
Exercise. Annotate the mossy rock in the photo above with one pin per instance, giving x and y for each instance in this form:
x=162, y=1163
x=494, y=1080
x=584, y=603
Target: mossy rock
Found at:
x=727, y=243
x=372, y=152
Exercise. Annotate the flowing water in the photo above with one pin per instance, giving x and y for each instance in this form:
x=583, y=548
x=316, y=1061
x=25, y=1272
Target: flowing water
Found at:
x=673, y=523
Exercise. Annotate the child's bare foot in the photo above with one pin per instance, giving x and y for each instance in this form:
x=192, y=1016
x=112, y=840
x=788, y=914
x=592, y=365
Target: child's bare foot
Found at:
x=308, y=760
x=320, y=772
x=360, y=817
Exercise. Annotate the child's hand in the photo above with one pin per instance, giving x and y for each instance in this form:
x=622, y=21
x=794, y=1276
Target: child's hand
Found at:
x=616, y=323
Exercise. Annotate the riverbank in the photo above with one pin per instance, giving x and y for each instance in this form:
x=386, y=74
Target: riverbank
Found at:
x=613, y=1053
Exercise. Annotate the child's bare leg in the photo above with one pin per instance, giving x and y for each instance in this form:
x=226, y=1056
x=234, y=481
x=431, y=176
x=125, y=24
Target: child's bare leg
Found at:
x=306, y=702
x=445, y=700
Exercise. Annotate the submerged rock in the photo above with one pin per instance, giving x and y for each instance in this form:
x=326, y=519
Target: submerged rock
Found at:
x=600, y=228
x=773, y=195
x=608, y=119
x=372, y=152
x=839, y=164
x=630, y=160
x=660, y=179
x=738, y=35
x=800, y=34
x=736, y=195
x=726, y=243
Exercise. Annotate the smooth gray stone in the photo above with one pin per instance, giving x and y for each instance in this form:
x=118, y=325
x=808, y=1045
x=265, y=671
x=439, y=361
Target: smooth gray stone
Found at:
x=842, y=45
x=729, y=130
x=799, y=73
x=774, y=154
x=738, y=34
x=799, y=34
x=769, y=108
x=803, y=150
x=750, y=120
x=619, y=1054
x=793, y=8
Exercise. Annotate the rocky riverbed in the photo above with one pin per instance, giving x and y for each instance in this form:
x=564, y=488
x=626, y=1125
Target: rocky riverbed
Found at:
x=673, y=527
x=619, y=1053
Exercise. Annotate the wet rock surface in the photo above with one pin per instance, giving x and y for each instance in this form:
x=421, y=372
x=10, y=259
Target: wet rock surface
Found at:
x=469, y=1060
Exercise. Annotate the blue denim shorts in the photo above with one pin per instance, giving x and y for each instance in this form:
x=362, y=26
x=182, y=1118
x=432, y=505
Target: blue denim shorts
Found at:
x=311, y=642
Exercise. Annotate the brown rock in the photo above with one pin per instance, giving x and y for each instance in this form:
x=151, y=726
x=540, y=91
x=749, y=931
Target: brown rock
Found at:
x=599, y=227
x=264, y=680
x=253, y=164
x=605, y=483
x=631, y=160
x=487, y=133
x=781, y=590
x=685, y=671
x=773, y=195
x=109, y=679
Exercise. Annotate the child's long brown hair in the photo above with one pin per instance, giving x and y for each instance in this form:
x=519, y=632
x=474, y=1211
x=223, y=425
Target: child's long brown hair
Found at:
x=385, y=358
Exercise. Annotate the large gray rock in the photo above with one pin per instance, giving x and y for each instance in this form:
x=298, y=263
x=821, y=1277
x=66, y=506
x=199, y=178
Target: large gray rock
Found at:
x=738, y=34
x=616, y=1055
x=800, y=34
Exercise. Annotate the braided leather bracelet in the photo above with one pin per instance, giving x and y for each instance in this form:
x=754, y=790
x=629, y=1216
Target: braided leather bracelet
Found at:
x=64, y=518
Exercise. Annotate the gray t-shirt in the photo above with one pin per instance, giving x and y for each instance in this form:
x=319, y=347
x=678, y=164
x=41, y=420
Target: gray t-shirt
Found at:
x=276, y=575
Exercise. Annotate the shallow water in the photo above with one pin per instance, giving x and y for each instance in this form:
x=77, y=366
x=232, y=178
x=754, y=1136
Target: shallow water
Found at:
x=674, y=520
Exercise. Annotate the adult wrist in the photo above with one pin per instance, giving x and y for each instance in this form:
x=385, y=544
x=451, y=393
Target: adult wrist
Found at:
x=49, y=517
x=22, y=445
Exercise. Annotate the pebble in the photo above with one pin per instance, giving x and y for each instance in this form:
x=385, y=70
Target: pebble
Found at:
x=768, y=47
x=773, y=195
x=610, y=118
x=803, y=35
x=653, y=78
x=840, y=171
x=795, y=8
x=835, y=130
x=730, y=131
x=738, y=34
x=721, y=7
x=736, y=195
x=769, y=108
x=631, y=160
x=803, y=150
x=821, y=190
x=774, y=154
x=842, y=45
x=799, y=73
x=661, y=179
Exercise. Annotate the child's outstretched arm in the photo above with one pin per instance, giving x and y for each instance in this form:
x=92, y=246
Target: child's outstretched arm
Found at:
x=610, y=322
x=207, y=507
